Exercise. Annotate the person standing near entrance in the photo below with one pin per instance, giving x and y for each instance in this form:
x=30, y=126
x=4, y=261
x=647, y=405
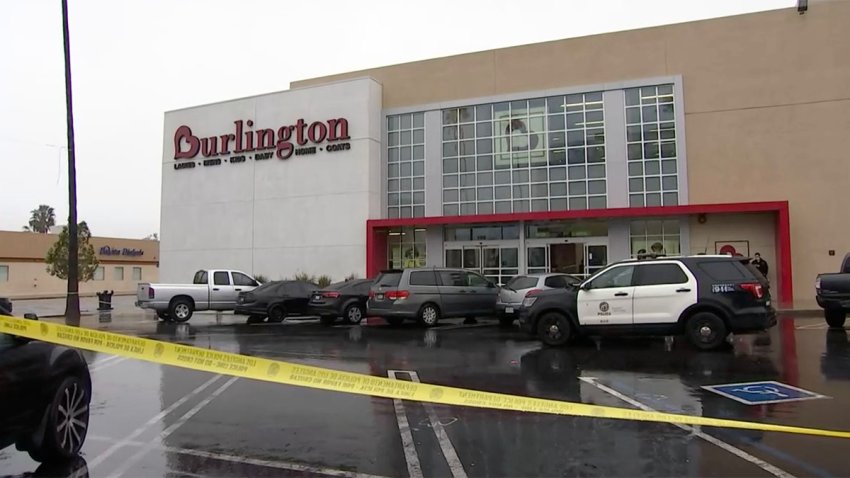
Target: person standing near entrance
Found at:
x=760, y=264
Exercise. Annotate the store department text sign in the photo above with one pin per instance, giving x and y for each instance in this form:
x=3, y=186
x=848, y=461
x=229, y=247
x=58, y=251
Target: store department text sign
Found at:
x=299, y=139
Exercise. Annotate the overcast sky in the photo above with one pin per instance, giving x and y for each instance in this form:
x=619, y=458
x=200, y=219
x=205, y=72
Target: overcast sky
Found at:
x=134, y=60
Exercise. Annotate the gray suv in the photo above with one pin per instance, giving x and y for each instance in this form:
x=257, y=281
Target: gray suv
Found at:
x=428, y=295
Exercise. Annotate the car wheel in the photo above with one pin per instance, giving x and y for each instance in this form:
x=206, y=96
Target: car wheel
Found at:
x=327, y=320
x=354, y=314
x=706, y=331
x=835, y=317
x=67, y=423
x=429, y=315
x=276, y=314
x=255, y=319
x=181, y=310
x=506, y=321
x=162, y=314
x=394, y=321
x=554, y=329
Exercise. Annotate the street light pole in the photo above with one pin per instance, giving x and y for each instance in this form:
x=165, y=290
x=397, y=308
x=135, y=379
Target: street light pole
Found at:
x=72, y=303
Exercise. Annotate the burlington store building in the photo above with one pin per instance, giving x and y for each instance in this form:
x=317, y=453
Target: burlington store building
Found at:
x=696, y=138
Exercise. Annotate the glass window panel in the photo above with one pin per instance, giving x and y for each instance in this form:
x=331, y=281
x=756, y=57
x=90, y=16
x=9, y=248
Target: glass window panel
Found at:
x=418, y=183
x=450, y=195
x=575, y=120
x=539, y=190
x=485, y=208
x=485, y=146
x=450, y=149
x=575, y=155
x=484, y=129
x=467, y=180
x=575, y=138
x=503, y=192
x=405, y=184
x=450, y=165
x=451, y=210
x=483, y=112
x=556, y=122
x=419, y=198
x=593, y=96
x=555, y=104
x=668, y=131
x=406, y=153
x=578, y=203
x=671, y=199
x=633, y=133
x=653, y=199
x=405, y=121
x=521, y=205
x=392, y=123
x=575, y=99
x=593, y=118
x=502, y=177
x=665, y=89
x=521, y=176
x=539, y=204
x=595, y=136
x=668, y=166
x=519, y=108
x=392, y=139
x=484, y=163
x=635, y=169
x=650, y=132
x=651, y=167
x=632, y=115
x=654, y=228
x=466, y=114
x=596, y=154
x=539, y=175
x=596, y=171
x=467, y=164
x=450, y=181
x=467, y=131
x=597, y=202
x=636, y=200
x=419, y=152
x=419, y=136
x=668, y=149
x=596, y=187
x=650, y=150
x=648, y=93
x=521, y=192
x=558, y=189
x=393, y=155
x=635, y=151
x=557, y=157
x=578, y=172
x=392, y=199
x=485, y=179
x=537, y=104
x=392, y=170
x=557, y=140
x=405, y=137
x=503, y=207
x=665, y=112
x=653, y=183
x=578, y=188
x=450, y=133
x=418, y=120
x=536, y=124
x=485, y=194
x=418, y=211
x=669, y=183
x=635, y=185
x=405, y=169
x=467, y=147
x=405, y=199
x=392, y=212
x=392, y=185
x=467, y=195
x=632, y=97
x=501, y=109
x=650, y=114
x=557, y=174
x=502, y=161
x=558, y=204
x=519, y=160
x=419, y=168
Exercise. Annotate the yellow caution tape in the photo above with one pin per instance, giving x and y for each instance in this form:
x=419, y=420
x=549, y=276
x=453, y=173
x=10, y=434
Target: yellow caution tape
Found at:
x=257, y=368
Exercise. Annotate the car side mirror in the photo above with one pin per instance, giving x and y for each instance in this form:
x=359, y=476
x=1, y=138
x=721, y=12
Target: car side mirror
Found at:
x=31, y=316
x=586, y=286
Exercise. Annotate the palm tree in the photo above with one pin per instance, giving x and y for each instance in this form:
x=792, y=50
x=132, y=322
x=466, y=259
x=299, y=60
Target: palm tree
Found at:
x=41, y=219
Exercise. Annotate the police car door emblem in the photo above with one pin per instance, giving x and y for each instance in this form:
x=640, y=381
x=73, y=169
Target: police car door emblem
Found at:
x=603, y=306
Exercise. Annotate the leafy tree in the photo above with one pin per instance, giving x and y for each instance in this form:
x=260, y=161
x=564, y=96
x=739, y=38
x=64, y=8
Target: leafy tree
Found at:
x=57, y=255
x=42, y=219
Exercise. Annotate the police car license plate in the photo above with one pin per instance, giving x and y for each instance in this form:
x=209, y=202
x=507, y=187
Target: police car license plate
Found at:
x=509, y=310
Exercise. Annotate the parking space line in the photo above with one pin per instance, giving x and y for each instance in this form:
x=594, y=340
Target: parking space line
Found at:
x=102, y=361
x=414, y=469
x=174, y=426
x=772, y=469
x=445, y=444
x=156, y=419
x=281, y=465
x=107, y=364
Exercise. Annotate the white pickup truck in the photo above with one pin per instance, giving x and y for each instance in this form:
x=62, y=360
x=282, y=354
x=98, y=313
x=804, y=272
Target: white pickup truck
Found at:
x=209, y=290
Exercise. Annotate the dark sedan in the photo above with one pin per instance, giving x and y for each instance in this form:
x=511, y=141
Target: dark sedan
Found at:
x=45, y=391
x=275, y=300
x=343, y=299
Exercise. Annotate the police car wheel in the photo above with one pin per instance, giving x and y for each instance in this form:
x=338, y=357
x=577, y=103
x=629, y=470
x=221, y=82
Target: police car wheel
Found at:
x=554, y=329
x=706, y=331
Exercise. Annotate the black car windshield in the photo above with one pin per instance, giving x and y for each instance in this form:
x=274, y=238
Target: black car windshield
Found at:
x=522, y=282
x=346, y=284
x=267, y=286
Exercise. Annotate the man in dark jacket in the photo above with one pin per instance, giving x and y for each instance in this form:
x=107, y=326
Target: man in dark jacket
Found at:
x=760, y=264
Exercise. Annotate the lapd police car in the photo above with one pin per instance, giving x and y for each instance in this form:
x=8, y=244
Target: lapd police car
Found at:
x=703, y=297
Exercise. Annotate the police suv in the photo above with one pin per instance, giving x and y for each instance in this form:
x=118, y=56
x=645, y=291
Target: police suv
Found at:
x=703, y=297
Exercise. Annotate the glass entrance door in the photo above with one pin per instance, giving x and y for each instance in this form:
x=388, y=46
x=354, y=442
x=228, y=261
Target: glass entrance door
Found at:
x=497, y=262
x=580, y=259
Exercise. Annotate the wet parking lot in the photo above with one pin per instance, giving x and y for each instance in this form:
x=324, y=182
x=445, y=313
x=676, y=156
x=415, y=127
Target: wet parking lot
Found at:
x=152, y=420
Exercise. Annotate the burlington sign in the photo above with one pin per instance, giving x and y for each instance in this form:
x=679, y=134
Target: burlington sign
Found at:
x=299, y=139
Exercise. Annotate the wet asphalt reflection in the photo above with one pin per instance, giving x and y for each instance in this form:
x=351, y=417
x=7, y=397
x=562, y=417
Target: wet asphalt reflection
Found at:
x=151, y=420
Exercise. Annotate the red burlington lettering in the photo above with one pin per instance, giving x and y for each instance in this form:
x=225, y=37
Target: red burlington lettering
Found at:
x=225, y=143
x=265, y=139
x=299, y=125
x=338, y=129
x=209, y=146
x=185, y=133
x=317, y=132
x=238, y=149
x=284, y=146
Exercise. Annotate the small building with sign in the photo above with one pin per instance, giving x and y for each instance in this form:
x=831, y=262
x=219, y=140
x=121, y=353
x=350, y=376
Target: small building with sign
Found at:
x=123, y=264
x=727, y=135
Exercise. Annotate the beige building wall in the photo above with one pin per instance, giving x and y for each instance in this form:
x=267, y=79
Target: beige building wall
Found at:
x=23, y=254
x=767, y=106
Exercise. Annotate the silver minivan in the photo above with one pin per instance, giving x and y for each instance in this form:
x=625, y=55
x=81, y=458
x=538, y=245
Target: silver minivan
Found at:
x=428, y=295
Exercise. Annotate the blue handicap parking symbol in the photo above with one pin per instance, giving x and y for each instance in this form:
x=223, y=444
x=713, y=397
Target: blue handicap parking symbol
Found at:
x=759, y=393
